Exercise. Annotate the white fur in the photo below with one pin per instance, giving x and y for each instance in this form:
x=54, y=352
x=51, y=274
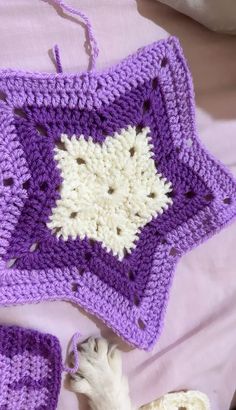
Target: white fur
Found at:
x=100, y=376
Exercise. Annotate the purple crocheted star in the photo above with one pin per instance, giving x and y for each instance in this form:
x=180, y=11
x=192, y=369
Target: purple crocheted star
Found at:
x=30, y=369
x=128, y=289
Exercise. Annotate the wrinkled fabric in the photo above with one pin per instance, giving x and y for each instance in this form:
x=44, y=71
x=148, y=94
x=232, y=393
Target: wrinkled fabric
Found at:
x=217, y=15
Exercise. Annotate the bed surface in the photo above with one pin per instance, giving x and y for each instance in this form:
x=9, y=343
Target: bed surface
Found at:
x=197, y=346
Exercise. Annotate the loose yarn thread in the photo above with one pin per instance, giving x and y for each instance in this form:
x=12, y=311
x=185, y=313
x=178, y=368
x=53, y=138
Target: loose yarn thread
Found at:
x=74, y=342
x=57, y=59
x=91, y=35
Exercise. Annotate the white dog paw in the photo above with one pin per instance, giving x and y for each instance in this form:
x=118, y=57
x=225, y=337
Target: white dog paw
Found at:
x=100, y=376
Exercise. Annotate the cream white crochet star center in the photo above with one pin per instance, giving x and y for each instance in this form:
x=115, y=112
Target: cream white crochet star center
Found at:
x=109, y=191
x=190, y=400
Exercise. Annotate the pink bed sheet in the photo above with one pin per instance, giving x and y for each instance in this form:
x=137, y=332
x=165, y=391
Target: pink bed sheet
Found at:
x=197, y=346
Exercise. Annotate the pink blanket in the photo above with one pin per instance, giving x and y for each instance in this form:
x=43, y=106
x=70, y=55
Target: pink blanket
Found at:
x=197, y=347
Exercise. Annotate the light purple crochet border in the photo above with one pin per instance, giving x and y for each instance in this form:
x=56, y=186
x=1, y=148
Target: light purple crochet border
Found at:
x=92, y=90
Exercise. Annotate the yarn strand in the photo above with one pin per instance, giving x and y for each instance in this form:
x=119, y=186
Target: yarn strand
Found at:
x=57, y=57
x=74, y=341
x=91, y=35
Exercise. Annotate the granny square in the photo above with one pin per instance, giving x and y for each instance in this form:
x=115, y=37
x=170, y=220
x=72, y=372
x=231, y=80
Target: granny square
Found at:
x=30, y=369
x=104, y=184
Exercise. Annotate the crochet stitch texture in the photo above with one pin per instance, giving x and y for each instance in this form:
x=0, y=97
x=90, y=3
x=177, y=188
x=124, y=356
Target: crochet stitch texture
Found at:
x=108, y=191
x=30, y=369
x=124, y=281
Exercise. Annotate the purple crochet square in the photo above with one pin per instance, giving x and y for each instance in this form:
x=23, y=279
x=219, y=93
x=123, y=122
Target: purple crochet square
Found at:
x=30, y=369
x=152, y=88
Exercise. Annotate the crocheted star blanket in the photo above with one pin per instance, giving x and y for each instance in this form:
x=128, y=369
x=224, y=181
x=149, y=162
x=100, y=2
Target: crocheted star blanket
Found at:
x=104, y=185
x=30, y=369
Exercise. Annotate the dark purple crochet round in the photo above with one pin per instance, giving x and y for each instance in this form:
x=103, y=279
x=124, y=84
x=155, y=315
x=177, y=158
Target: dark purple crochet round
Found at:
x=151, y=88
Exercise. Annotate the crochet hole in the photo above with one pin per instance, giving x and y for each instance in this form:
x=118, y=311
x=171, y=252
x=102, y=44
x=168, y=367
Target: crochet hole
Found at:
x=20, y=113
x=130, y=275
x=88, y=256
x=73, y=215
x=164, y=62
x=92, y=242
x=80, y=161
x=44, y=186
x=8, y=181
x=56, y=231
x=139, y=128
x=61, y=145
x=11, y=262
x=41, y=129
x=118, y=231
x=99, y=86
x=209, y=197
x=111, y=190
x=141, y=324
x=170, y=194
x=136, y=300
x=132, y=151
x=125, y=252
x=34, y=247
x=155, y=83
x=173, y=252
x=26, y=184
x=146, y=105
x=182, y=408
x=227, y=201
x=190, y=194
x=102, y=117
x=163, y=241
x=74, y=287
x=3, y=96
x=81, y=271
x=152, y=195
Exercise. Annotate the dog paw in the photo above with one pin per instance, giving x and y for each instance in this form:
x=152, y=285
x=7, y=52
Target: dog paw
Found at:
x=100, y=375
